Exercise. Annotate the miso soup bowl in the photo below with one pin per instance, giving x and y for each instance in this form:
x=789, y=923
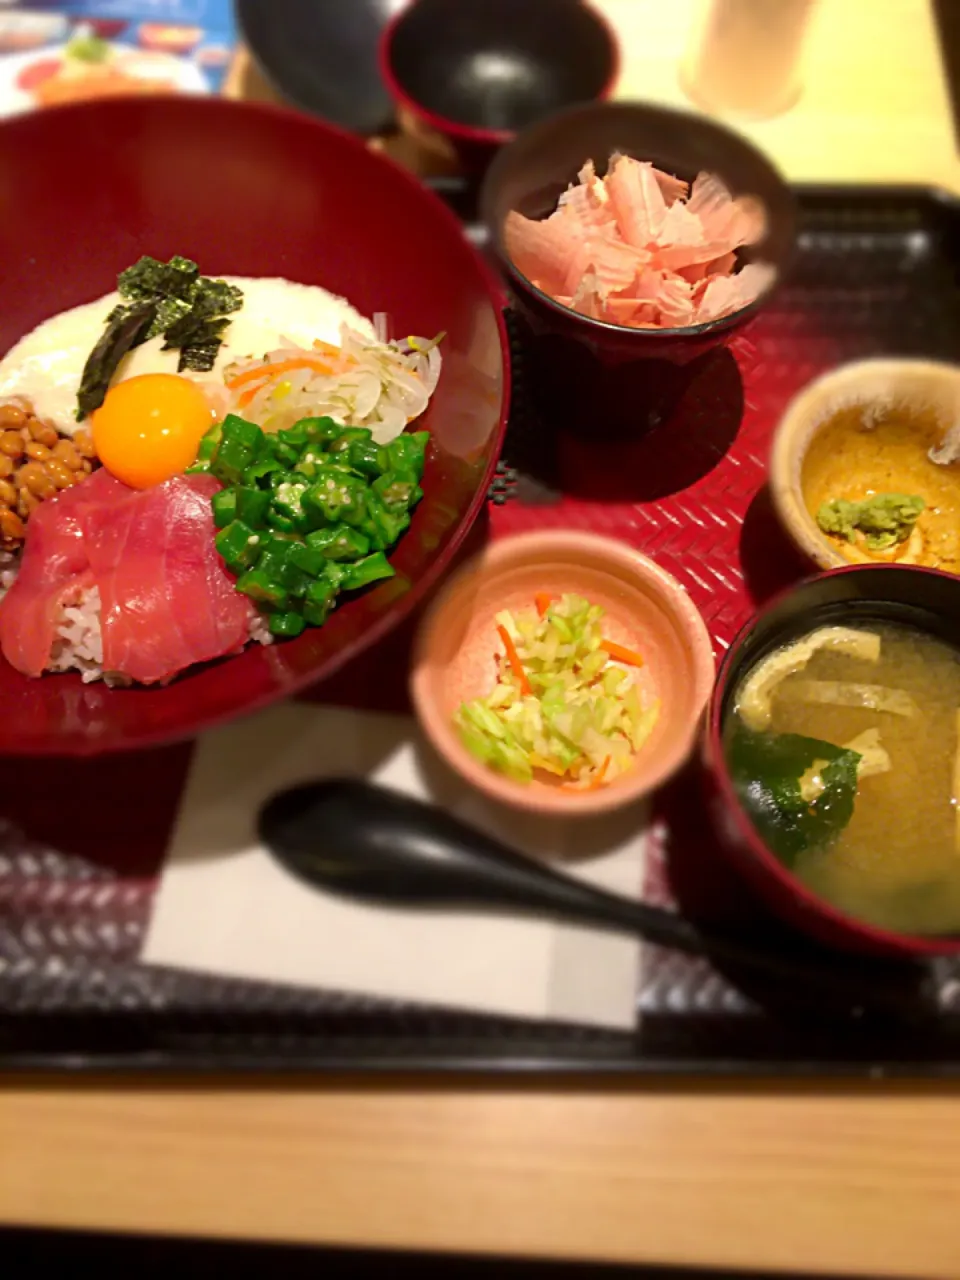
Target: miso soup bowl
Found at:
x=850, y=596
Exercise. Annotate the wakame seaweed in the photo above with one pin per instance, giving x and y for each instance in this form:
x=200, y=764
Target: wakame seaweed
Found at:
x=126, y=329
x=190, y=310
x=767, y=768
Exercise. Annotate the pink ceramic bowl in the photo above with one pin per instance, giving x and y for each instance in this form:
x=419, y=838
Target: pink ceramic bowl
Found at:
x=646, y=609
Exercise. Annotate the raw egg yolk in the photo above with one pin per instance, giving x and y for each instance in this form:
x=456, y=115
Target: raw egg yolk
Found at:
x=149, y=428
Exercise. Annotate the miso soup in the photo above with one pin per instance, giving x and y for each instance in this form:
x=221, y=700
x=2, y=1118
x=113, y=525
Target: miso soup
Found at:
x=843, y=747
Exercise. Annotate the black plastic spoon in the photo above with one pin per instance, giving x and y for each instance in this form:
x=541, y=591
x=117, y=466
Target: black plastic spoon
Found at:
x=363, y=842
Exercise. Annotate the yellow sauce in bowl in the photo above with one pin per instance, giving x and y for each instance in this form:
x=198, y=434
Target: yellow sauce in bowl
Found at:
x=860, y=453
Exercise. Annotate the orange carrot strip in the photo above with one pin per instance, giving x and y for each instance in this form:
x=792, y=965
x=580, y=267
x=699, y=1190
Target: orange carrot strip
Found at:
x=268, y=372
x=246, y=396
x=514, y=659
x=282, y=366
x=620, y=653
x=327, y=347
x=597, y=782
x=543, y=602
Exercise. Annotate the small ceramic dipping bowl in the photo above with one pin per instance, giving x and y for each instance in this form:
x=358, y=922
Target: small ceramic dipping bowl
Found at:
x=646, y=609
x=856, y=595
x=852, y=401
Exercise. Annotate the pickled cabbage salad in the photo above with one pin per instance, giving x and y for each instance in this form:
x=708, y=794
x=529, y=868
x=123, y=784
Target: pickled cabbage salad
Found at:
x=566, y=701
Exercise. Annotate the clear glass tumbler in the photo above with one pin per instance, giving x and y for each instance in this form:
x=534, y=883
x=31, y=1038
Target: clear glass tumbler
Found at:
x=743, y=56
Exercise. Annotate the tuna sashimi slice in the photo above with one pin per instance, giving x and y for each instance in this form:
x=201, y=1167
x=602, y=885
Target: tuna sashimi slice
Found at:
x=229, y=612
x=167, y=602
x=127, y=554
x=54, y=572
x=163, y=605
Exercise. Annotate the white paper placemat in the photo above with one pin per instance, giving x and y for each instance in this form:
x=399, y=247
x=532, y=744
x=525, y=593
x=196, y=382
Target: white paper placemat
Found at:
x=224, y=906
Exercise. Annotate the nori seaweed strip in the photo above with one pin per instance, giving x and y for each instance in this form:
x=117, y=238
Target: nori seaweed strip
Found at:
x=149, y=278
x=193, y=318
x=215, y=298
x=169, y=311
x=123, y=332
x=190, y=310
x=198, y=357
x=188, y=329
x=198, y=342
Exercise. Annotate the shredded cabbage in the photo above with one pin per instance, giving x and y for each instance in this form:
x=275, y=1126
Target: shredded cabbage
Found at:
x=582, y=717
x=365, y=382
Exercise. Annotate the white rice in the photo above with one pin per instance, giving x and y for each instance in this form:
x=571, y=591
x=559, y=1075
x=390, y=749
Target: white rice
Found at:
x=78, y=645
x=260, y=633
x=9, y=563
